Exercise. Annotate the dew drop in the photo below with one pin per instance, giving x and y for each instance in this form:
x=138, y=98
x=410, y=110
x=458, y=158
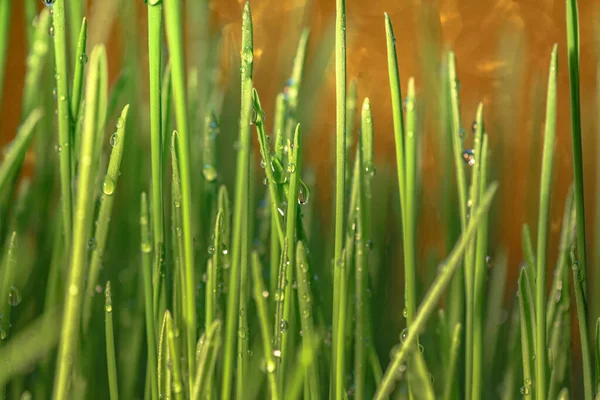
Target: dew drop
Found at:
x=277, y=353
x=92, y=244
x=146, y=247
x=48, y=3
x=14, y=296
x=283, y=325
x=108, y=308
x=211, y=249
x=114, y=138
x=279, y=295
x=51, y=31
x=474, y=127
x=403, y=335
x=370, y=170
x=271, y=365
x=108, y=187
x=83, y=58
x=177, y=203
x=524, y=390
x=291, y=168
x=58, y=148
x=3, y=334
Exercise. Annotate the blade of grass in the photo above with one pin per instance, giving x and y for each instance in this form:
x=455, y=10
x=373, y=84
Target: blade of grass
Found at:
x=542, y=235
x=337, y=376
x=528, y=329
x=155, y=22
x=8, y=275
x=75, y=10
x=294, y=168
x=265, y=325
x=581, y=302
x=436, y=290
x=363, y=235
x=110, y=345
x=77, y=272
x=597, y=354
x=163, y=366
x=275, y=242
x=527, y=248
x=146, y=249
x=449, y=382
x=410, y=209
x=239, y=250
x=65, y=145
x=175, y=40
x=268, y=162
x=178, y=390
x=480, y=276
x=573, y=60
x=81, y=59
x=305, y=301
x=104, y=215
x=205, y=363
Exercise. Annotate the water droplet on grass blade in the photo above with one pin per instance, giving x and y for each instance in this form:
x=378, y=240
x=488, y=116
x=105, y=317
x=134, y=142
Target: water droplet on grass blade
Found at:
x=83, y=58
x=403, y=335
x=283, y=325
x=279, y=295
x=3, y=334
x=14, y=296
x=48, y=3
x=114, y=138
x=51, y=31
x=108, y=187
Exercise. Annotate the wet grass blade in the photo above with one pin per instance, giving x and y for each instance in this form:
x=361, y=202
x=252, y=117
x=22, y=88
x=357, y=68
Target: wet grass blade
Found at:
x=240, y=213
x=110, y=345
x=573, y=58
x=480, y=278
x=265, y=152
x=305, y=301
x=155, y=42
x=528, y=329
x=77, y=271
x=173, y=27
x=262, y=308
x=65, y=145
x=8, y=275
x=542, y=232
x=146, y=249
x=205, y=359
x=436, y=290
x=103, y=221
x=364, y=237
x=581, y=302
x=527, y=248
x=177, y=384
x=294, y=168
x=449, y=379
x=81, y=59
x=340, y=181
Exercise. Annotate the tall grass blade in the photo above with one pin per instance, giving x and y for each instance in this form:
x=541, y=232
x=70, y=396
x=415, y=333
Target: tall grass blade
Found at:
x=240, y=213
x=542, y=232
x=174, y=25
x=83, y=217
x=573, y=61
x=103, y=221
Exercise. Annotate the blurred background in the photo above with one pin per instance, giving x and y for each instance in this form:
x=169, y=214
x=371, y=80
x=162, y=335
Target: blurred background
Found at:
x=503, y=50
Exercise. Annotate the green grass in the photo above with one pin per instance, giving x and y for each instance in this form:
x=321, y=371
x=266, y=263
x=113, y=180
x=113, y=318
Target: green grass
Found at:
x=208, y=298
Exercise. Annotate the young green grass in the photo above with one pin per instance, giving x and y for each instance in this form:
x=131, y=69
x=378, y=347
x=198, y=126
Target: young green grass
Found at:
x=292, y=322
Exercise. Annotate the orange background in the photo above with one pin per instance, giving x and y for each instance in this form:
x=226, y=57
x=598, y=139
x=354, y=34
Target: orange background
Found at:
x=472, y=28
